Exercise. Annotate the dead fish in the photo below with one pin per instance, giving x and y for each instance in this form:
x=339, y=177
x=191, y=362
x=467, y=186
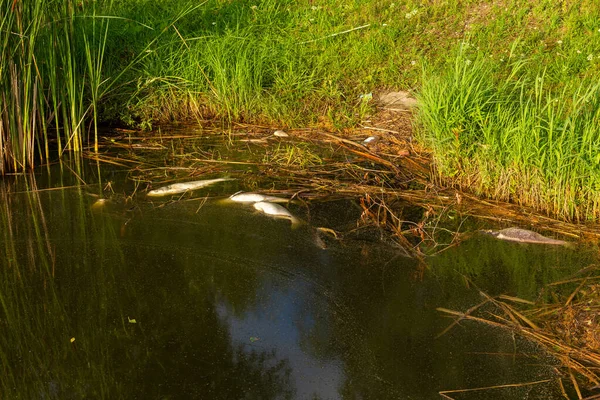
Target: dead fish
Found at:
x=242, y=197
x=280, y=133
x=525, y=236
x=277, y=211
x=99, y=204
x=185, y=187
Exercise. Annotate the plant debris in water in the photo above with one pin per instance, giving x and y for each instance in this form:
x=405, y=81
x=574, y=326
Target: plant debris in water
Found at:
x=317, y=165
x=568, y=327
x=578, y=324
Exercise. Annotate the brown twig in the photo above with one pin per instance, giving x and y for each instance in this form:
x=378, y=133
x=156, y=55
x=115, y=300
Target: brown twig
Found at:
x=508, y=385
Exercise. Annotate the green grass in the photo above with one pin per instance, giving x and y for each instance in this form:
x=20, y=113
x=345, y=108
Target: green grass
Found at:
x=515, y=138
x=525, y=129
x=521, y=125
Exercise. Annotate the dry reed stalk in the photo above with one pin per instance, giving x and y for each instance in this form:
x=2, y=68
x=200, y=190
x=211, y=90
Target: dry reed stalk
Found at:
x=445, y=393
x=581, y=361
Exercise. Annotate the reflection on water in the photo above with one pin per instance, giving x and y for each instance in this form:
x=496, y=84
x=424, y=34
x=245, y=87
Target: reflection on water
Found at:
x=152, y=300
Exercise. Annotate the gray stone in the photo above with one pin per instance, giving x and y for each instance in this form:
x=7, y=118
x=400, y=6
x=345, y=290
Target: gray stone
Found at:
x=396, y=100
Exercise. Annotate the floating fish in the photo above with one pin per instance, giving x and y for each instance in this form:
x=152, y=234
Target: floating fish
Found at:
x=99, y=204
x=277, y=211
x=280, y=133
x=242, y=197
x=525, y=236
x=185, y=187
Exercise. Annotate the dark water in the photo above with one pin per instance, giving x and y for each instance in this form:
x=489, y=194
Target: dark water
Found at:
x=195, y=299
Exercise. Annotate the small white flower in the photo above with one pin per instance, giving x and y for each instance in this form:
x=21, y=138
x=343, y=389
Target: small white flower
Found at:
x=413, y=62
x=312, y=20
x=254, y=7
x=590, y=57
x=314, y=8
x=502, y=60
x=578, y=51
x=214, y=23
x=411, y=14
x=467, y=62
x=384, y=24
x=559, y=42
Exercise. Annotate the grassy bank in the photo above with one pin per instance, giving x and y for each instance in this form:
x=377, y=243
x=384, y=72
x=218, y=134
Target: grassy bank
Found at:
x=516, y=134
x=518, y=120
x=507, y=89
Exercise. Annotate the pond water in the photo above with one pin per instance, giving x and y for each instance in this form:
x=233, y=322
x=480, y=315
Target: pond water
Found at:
x=206, y=299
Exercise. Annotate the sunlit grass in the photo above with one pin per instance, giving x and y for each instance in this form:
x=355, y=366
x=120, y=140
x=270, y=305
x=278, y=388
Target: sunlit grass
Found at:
x=527, y=99
x=512, y=135
x=296, y=62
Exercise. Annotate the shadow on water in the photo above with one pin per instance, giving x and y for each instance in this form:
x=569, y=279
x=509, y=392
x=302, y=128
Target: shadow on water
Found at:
x=129, y=298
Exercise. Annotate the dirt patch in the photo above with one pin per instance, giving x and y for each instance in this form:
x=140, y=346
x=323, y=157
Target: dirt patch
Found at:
x=389, y=132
